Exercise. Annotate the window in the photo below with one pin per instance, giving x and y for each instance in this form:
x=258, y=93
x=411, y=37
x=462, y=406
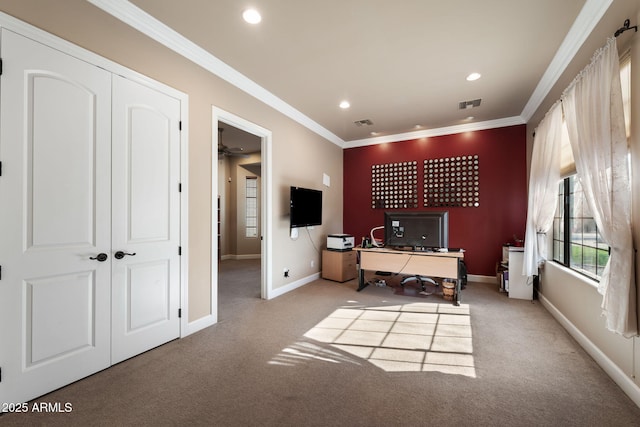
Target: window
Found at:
x=251, y=210
x=577, y=243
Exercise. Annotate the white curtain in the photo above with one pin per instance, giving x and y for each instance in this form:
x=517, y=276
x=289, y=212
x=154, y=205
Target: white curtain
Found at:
x=595, y=121
x=543, y=189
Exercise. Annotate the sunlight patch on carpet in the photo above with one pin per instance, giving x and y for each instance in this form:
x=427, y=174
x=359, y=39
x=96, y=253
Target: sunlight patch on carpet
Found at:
x=417, y=337
x=304, y=351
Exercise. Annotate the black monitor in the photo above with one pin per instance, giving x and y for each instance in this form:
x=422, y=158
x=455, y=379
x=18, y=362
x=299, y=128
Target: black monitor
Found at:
x=305, y=207
x=416, y=230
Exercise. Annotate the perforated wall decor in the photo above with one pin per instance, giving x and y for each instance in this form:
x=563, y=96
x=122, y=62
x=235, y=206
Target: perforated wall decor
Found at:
x=394, y=185
x=452, y=181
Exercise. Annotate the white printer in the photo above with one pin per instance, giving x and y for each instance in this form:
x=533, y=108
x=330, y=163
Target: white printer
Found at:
x=340, y=242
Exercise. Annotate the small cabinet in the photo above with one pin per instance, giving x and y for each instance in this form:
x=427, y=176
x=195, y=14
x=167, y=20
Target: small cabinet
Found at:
x=519, y=286
x=339, y=266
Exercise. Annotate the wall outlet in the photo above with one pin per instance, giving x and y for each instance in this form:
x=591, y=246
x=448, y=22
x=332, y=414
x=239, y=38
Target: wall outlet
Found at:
x=286, y=272
x=313, y=263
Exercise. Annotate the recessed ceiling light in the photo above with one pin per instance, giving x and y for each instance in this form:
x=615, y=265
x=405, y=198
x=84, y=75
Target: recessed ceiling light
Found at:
x=473, y=77
x=251, y=16
x=344, y=105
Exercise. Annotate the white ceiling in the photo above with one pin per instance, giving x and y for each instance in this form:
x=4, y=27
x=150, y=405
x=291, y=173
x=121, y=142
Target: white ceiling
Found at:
x=235, y=138
x=400, y=64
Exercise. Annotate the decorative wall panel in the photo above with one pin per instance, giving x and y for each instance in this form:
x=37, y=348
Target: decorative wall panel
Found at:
x=452, y=182
x=394, y=185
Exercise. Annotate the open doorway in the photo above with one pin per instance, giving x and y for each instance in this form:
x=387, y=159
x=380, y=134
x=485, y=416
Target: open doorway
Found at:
x=239, y=199
x=240, y=256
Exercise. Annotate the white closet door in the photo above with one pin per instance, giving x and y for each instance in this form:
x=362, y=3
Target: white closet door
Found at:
x=54, y=217
x=146, y=218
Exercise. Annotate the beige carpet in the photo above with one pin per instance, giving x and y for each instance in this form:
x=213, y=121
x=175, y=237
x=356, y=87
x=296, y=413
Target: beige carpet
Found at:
x=326, y=355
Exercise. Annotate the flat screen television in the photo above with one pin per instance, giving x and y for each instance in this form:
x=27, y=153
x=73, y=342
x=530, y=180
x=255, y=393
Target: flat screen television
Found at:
x=305, y=207
x=416, y=230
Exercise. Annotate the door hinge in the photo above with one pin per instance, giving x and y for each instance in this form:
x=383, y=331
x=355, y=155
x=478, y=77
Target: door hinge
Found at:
x=0, y=66
x=180, y=125
x=179, y=250
x=0, y=272
x=179, y=186
x=0, y=168
x=179, y=313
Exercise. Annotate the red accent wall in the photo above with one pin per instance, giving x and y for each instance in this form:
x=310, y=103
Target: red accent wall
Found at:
x=480, y=231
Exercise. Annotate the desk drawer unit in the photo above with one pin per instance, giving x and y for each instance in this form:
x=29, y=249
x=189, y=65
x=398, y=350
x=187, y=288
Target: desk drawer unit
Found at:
x=339, y=266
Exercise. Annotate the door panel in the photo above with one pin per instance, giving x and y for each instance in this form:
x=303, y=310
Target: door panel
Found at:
x=149, y=175
x=60, y=172
x=55, y=143
x=149, y=295
x=146, y=218
x=60, y=316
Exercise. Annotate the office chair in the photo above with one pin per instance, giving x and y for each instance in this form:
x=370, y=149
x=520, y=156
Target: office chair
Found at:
x=420, y=279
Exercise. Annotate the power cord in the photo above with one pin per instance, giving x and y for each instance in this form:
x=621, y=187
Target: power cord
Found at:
x=311, y=240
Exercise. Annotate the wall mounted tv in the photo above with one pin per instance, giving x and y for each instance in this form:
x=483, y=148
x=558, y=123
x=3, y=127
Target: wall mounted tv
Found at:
x=416, y=230
x=305, y=207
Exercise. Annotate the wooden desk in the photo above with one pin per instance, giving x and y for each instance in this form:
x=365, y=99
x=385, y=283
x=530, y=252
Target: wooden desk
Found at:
x=433, y=264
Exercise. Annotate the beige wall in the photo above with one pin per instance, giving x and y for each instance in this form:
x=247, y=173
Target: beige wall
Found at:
x=81, y=23
x=576, y=298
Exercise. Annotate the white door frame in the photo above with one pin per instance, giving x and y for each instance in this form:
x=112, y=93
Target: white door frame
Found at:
x=266, y=284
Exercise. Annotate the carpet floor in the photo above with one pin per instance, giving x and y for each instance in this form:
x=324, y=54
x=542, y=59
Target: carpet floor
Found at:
x=326, y=355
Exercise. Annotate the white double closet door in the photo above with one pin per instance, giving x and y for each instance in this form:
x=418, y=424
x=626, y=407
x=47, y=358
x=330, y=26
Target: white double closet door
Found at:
x=90, y=167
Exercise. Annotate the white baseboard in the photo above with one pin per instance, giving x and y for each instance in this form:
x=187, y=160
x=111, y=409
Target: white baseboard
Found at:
x=481, y=279
x=627, y=385
x=293, y=285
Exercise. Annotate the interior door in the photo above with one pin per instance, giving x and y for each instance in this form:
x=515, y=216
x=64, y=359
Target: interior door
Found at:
x=146, y=219
x=55, y=218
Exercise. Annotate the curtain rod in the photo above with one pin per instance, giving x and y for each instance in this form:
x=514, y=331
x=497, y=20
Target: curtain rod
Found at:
x=625, y=27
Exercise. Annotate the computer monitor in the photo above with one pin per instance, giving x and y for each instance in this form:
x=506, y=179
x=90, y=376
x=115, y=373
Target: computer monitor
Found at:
x=416, y=230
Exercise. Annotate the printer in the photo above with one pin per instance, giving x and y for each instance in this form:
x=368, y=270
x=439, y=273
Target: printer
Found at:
x=340, y=242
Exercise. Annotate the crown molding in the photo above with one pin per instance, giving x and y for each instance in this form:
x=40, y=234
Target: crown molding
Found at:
x=591, y=13
x=429, y=133
x=588, y=18
x=156, y=30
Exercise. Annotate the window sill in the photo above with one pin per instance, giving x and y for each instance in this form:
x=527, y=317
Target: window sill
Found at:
x=575, y=274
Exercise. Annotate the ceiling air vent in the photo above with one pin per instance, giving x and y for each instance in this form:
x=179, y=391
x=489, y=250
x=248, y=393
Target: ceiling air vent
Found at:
x=365, y=122
x=469, y=104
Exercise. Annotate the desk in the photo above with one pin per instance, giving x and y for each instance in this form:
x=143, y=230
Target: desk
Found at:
x=434, y=264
